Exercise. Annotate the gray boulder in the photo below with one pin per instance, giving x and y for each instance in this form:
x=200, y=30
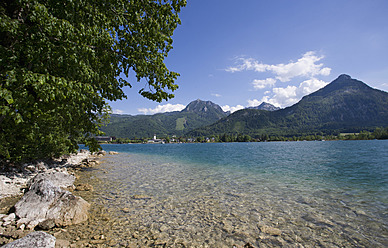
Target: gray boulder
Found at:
x=59, y=179
x=35, y=239
x=46, y=201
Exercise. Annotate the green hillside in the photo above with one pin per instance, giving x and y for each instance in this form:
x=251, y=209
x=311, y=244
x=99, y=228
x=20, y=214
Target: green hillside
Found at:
x=343, y=105
x=197, y=114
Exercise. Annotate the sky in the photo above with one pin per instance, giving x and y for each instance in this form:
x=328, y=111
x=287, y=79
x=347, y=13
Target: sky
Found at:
x=238, y=54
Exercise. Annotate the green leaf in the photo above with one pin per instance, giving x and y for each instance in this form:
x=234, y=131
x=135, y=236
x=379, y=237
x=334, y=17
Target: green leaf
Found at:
x=60, y=63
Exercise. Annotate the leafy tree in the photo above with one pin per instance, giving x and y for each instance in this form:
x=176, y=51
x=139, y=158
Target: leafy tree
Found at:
x=60, y=61
x=247, y=138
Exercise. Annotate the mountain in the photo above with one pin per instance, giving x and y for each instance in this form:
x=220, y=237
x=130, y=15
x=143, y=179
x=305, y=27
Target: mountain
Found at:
x=196, y=114
x=344, y=105
x=205, y=109
x=265, y=106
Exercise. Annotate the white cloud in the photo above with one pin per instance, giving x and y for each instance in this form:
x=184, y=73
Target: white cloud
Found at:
x=289, y=95
x=232, y=109
x=306, y=66
x=162, y=108
x=309, y=86
x=268, y=100
x=118, y=111
x=253, y=103
x=284, y=96
x=261, y=84
x=248, y=64
x=233, y=69
x=216, y=95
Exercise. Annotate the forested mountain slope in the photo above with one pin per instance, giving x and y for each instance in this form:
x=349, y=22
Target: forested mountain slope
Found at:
x=196, y=114
x=345, y=104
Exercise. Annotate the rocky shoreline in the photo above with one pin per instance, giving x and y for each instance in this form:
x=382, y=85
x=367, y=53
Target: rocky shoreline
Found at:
x=38, y=197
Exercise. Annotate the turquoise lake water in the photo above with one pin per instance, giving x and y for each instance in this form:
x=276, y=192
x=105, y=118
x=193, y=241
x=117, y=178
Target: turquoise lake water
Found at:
x=290, y=194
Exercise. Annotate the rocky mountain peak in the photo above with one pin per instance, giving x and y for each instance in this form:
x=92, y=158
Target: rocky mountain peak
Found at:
x=344, y=77
x=265, y=106
x=199, y=106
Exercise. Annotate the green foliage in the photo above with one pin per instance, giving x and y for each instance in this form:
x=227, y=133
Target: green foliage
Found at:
x=125, y=141
x=60, y=61
x=378, y=133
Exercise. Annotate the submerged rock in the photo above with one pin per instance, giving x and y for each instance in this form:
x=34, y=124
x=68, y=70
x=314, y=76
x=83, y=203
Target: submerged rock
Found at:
x=84, y=187
x=141, y=197
x=62, y=243
x=46, y=201
x=271, y=230
x=35, y=239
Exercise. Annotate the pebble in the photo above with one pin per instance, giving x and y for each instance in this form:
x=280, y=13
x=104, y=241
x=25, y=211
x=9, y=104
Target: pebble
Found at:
x=126, y=210
x=96, y=241
x=163, y=228
x=140, y=197
x=61, y=243
x=6, y=223
x=271, y=230
x=22, y=226
x=84, y=187
x=10, y=217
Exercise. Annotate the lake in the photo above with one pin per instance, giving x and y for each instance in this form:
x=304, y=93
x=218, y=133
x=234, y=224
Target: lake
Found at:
x=269, y=194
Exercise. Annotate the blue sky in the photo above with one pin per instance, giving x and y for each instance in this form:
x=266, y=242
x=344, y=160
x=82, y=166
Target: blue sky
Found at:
x=240, y=53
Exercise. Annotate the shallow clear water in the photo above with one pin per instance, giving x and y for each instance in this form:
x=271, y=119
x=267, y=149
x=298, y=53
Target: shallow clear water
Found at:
x=292, y=194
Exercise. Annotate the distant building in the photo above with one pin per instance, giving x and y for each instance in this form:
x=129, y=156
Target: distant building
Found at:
x=105, y=138
x=155, y=140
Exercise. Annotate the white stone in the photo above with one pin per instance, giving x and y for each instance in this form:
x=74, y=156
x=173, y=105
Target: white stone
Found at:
x=35, y=239
x=10, y=217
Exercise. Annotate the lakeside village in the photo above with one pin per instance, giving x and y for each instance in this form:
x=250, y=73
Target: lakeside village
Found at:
x=378, y=133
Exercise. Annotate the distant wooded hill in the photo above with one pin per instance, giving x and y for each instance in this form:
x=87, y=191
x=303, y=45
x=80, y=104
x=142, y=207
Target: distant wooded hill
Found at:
x=197, y=114
x=344, y=105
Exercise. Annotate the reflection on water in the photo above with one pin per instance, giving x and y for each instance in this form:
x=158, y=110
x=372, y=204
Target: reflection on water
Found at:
x=299, y=194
